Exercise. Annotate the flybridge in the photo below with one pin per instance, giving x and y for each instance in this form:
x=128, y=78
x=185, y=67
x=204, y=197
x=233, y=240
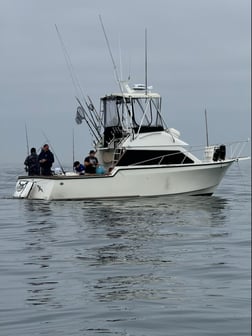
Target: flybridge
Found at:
x=132, y=112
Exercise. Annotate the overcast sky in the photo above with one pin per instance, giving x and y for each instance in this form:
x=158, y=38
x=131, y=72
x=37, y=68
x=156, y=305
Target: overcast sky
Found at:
x=199, y=57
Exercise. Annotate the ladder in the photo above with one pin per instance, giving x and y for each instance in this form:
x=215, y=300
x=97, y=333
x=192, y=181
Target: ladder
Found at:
x=119, y=151
x=117, y=155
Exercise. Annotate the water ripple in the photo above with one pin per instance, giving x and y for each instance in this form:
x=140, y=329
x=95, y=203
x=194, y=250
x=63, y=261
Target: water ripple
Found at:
x=150, y=266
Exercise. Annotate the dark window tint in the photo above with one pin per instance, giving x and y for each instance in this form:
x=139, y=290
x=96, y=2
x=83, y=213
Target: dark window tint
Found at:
x=149, y=157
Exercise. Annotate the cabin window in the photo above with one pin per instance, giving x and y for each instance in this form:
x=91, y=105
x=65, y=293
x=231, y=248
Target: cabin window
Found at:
x=151, y=157
x=111, y=115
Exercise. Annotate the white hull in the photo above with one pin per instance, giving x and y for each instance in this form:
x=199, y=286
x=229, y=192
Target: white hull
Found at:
x=131, y=181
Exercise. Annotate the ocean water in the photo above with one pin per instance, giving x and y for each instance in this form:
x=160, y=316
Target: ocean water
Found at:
x=140, y=267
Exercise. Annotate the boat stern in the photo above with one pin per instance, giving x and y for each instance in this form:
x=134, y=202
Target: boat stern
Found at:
x=33, y=188
x=23, y=188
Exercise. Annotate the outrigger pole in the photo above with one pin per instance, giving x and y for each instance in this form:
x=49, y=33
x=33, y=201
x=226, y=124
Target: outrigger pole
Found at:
x=110, y=53
x=83, y=114
x=115, y=69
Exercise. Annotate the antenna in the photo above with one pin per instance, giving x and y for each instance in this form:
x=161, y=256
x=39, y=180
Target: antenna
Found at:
x=206, y=128
x=146, y=72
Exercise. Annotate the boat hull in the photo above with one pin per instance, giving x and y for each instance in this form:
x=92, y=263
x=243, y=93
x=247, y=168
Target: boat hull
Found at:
x=133, y=181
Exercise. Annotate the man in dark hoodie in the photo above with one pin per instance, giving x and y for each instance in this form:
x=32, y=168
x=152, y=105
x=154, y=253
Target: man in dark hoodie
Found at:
x=32, y=164
x=46, y=159
x=91, y=163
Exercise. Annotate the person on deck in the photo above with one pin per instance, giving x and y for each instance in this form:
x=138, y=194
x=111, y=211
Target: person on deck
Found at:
x=31, y=163
x=46, y=159
x=91, y=163
x=79, y=168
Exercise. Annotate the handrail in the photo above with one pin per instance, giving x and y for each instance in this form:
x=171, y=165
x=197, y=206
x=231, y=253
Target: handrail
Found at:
x=234, y=149
x=157, y=157
x=234, y=152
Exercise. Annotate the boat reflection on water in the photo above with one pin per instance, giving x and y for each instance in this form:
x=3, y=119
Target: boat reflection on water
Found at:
x=129, y=248
x=134, y=241
x=40, y=227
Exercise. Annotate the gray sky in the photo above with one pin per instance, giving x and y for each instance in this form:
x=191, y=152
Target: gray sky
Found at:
x=199, y=56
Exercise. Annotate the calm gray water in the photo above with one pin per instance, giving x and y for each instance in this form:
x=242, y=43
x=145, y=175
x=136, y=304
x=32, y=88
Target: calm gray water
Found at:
x=141, y=267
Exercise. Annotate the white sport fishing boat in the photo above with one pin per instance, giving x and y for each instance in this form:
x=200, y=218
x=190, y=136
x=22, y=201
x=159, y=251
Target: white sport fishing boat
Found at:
x=139, y=154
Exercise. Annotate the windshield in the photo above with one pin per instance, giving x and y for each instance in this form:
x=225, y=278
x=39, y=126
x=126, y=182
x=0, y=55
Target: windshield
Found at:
x=137, y=112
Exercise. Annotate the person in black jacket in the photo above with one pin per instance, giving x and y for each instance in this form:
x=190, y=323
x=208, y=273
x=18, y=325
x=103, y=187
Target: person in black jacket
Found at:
x=46, y=159
x=32, y=164
x=91, y=163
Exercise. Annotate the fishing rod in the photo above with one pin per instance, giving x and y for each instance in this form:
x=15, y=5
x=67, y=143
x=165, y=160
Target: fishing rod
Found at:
x=73, y=146
x=92, y=108
x=48, y=141
x=86, y=115
x=88, y=121
x=27, y=142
